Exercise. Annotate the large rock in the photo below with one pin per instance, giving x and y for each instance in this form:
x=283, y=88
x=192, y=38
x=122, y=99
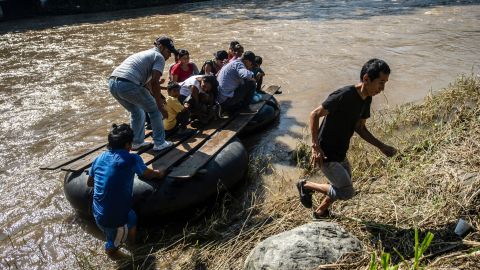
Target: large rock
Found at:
x=305, y=247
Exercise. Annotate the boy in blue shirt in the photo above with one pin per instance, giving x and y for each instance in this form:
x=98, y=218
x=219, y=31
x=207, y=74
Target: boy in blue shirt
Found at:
x=111, y=176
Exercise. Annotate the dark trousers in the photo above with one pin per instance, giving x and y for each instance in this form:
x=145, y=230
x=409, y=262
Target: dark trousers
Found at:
x=242, y=96
x=182, y=121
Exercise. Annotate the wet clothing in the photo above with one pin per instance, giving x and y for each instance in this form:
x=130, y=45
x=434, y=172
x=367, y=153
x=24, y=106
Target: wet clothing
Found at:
x=118, y=235
x=138, y=67
x=113, y=172
x=345, y=108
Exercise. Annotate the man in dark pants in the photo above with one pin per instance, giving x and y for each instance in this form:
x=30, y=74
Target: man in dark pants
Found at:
x=345, y=111
x=236, y=84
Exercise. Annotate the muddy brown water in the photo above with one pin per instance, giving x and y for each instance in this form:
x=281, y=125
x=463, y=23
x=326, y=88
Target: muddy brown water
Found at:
x=54, y=100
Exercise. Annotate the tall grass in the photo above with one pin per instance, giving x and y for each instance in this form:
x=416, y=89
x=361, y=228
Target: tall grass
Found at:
x=432, y=181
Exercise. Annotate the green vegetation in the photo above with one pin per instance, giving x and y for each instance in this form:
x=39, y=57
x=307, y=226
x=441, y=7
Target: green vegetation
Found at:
x=385, y=259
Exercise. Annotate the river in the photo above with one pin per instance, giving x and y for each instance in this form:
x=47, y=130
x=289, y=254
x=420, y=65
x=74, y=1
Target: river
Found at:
x=54, y=101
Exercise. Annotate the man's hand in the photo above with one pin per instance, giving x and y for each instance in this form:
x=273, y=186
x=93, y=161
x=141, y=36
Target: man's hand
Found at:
x=388, y=151
x=317, y=156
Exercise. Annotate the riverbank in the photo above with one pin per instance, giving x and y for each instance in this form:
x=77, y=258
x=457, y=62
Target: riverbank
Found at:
x=15, y=9
x=429, y=185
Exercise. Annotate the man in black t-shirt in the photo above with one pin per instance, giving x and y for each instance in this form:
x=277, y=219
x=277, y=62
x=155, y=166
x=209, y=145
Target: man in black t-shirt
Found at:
x=345, y=111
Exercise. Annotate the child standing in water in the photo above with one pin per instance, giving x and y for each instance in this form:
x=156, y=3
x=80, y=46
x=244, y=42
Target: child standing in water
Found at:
x=111, y=176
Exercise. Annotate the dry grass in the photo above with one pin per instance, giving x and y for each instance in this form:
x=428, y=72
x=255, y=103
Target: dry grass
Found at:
x=432, y=182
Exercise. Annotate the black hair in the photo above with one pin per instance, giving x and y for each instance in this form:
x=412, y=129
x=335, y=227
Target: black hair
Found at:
x=212, y=80
x=182, y=53
x=119, y=136
x=250, y=56
x=172, y=85
x=233, y=44
x=237, y=48
x=221, y=55
x=373, y=67
x=258, y=60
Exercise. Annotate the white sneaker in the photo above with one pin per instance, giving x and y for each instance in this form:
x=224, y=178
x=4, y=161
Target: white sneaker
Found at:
x=137, y=146
x=166, y=144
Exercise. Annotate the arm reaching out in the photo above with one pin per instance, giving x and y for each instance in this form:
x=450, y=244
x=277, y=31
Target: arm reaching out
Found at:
x=365, y=134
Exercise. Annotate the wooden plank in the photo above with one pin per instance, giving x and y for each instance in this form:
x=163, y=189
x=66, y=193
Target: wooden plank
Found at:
x=65, y=161
x=62, y=162
x=187, y=147
x=197, y=160
x=86, y=161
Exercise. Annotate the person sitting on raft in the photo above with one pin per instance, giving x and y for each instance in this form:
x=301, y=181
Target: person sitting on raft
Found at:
x=111, y=177
x=230, y=51
x=178, y=114
x=237, y=52
x=183, y=69
x=236, y=84
x=258, y=74
x=199, y=92
x=212, y=67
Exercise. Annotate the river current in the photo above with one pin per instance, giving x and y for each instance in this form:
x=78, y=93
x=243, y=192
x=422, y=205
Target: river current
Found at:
x=54, y=100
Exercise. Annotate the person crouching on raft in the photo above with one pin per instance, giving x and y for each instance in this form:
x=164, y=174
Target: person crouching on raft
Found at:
x=345, y=111
x=111, y=176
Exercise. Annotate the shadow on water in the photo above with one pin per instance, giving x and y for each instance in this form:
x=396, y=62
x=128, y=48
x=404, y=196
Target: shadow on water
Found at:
x=316, y=10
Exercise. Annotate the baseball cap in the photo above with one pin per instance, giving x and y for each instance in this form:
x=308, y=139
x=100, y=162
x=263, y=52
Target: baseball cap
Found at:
x=167, y=42
x=221, y=55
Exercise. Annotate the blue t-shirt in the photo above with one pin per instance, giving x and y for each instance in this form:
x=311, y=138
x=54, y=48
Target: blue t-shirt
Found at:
x=113, y=172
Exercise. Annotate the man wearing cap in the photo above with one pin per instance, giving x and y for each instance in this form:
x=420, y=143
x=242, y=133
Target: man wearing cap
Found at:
x=236, y=83
x=127, y=86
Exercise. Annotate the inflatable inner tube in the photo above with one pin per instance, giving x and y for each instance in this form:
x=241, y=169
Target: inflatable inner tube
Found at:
x=267, y=114
x=163, y=197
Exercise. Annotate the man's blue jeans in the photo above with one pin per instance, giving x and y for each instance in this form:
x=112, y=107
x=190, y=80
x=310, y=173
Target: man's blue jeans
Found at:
x=138, y=100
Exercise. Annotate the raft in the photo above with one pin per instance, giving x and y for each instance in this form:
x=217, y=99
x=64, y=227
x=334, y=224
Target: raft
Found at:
x=154, y=198
x=265, y=116
x=199, y=166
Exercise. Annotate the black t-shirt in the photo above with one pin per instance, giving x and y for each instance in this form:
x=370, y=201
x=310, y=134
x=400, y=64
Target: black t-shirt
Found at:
x=345, y=107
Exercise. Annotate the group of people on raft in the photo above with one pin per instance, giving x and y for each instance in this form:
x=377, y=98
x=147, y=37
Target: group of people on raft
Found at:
x=224, y=85
x=229, y=81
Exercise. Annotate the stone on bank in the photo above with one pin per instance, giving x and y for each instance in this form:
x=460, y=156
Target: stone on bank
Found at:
x=305, y=247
